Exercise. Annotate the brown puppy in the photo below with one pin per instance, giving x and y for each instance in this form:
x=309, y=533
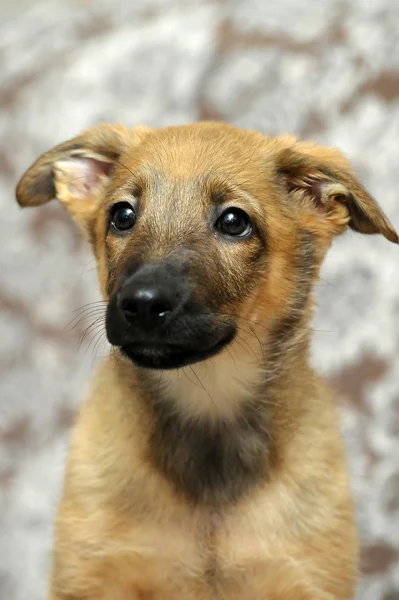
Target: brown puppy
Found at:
x=207, y=461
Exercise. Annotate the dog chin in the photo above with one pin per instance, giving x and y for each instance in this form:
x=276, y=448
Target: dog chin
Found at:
x=170, y=356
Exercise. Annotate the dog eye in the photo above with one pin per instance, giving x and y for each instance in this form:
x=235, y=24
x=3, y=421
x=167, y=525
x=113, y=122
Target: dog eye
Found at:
x=234, y=222
x=123, y=216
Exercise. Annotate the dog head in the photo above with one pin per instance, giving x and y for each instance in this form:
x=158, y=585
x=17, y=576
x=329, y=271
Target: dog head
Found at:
x=202, y=229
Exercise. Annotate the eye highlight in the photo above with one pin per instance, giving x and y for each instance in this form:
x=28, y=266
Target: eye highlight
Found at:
x=123, y=217
x=234, y=222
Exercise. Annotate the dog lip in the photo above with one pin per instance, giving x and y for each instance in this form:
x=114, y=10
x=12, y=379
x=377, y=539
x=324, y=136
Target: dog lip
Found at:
x=169, y=346
x=165, y=355
x=152, y=348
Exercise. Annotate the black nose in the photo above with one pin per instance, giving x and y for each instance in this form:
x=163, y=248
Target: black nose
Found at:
x=146, y=305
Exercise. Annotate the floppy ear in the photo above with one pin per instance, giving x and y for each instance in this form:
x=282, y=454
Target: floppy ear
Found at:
x=76, y=172
x=322, y=180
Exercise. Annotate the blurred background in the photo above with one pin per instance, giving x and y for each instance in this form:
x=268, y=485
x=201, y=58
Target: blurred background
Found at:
x=326, y=70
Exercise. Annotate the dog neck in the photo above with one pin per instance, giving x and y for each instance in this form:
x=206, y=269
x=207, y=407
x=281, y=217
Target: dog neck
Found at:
x=215, y=390
x=213, y=428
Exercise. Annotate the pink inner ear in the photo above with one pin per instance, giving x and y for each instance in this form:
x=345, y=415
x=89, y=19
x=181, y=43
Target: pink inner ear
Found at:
x=313, y=188
x=83, y=176
x=93, y=169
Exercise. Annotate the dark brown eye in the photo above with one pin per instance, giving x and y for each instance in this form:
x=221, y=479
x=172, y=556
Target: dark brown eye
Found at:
x=234, y=222
x=123, y=216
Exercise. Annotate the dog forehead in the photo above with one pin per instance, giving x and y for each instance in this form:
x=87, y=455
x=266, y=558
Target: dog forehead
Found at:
x=192, y=152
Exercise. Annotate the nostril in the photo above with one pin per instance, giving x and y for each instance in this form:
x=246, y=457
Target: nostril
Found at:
x=150, y=307
x=159, y=309
x=129, y=306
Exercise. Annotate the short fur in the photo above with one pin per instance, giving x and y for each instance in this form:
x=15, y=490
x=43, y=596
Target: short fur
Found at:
x=226, y=479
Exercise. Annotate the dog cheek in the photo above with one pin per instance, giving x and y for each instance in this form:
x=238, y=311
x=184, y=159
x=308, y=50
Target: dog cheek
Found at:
x=250, y=270
x=113, y=272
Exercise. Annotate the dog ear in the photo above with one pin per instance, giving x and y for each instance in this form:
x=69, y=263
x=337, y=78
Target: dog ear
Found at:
x=76, y=172
x=322, y=181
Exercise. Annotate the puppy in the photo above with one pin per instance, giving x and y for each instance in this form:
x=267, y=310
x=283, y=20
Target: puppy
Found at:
x=207, y=462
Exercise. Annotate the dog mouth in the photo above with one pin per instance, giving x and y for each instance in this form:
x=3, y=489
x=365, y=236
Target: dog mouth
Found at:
x=164, y=356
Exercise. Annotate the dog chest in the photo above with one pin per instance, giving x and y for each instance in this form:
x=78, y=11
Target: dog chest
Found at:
x=203, y=558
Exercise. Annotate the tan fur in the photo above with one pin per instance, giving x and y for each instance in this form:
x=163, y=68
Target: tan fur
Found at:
x=123, y=531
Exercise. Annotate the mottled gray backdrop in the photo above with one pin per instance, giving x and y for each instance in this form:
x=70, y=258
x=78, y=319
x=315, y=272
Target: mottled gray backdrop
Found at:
x=324, y=69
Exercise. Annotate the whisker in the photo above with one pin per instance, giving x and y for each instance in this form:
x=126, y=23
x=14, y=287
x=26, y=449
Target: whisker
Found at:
x=248, y=345
x=97, y=323
x=89, y=304
x=257, y=324
x=231, y=356
x=96, y=336
x=102, y=346
x=101, y=340
x=116, y=354
x=260, y=345
x=124, y=166
x=80, y=318
x=202, y=385
x=190, y=380
x=160, y=380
